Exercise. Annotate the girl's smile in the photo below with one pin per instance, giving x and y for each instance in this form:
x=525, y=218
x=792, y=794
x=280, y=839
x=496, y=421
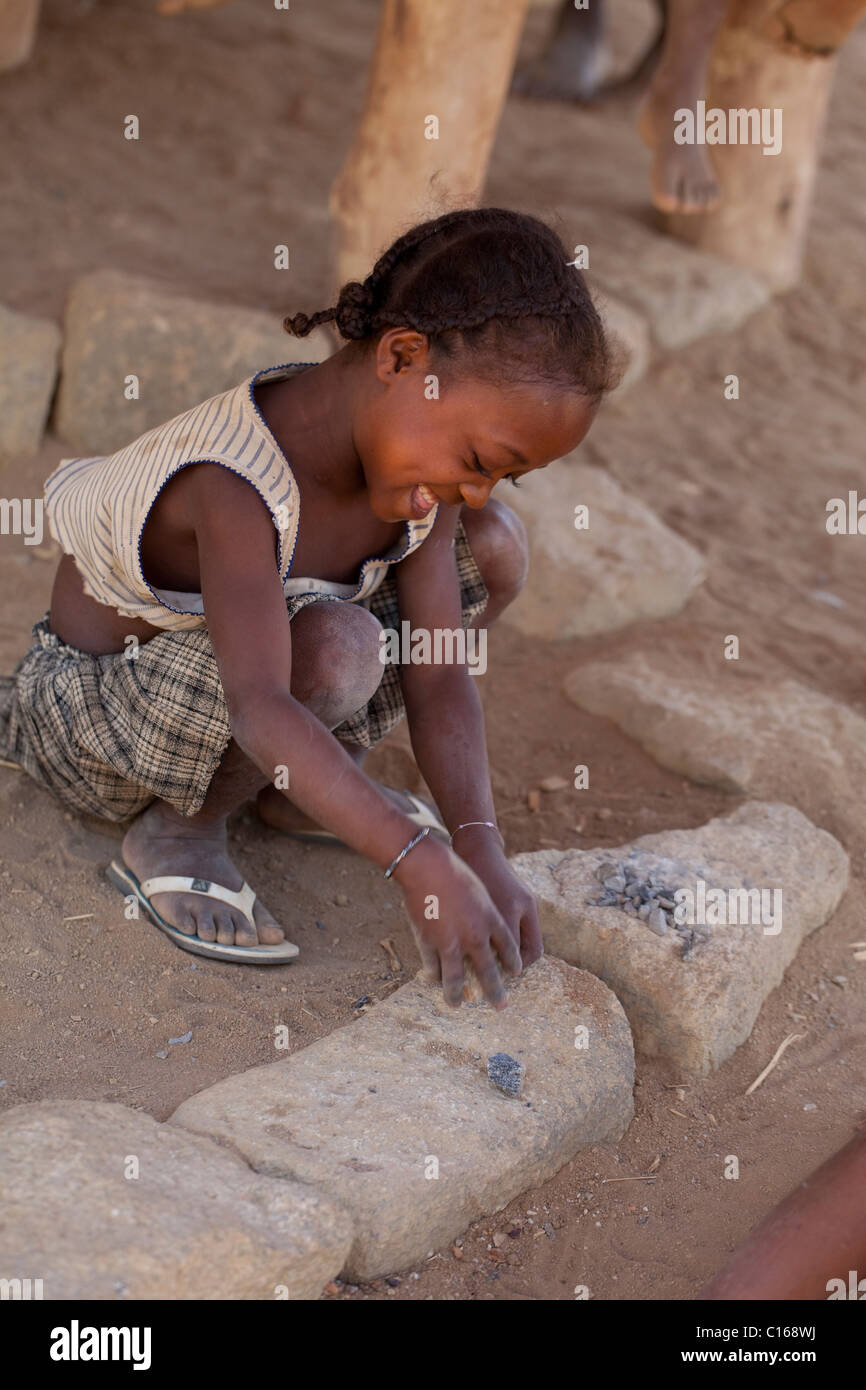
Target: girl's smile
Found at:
x=422, y=499
x=469, y=437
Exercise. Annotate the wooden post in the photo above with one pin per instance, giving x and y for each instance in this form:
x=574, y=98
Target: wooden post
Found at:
x=438, y=82
x=18, y=21
x=775, y=54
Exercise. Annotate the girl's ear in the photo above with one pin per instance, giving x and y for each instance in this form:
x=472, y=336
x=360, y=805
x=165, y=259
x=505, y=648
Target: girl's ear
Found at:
x=399, y=350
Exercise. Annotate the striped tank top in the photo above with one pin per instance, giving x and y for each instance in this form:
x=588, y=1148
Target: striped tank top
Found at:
x=97, y=507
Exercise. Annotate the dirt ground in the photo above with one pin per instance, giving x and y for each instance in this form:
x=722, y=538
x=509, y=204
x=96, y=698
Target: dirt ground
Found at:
x=246, y=123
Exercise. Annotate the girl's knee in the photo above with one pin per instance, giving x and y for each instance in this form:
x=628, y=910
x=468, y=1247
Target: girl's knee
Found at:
x=500, y=547
x=335, y=659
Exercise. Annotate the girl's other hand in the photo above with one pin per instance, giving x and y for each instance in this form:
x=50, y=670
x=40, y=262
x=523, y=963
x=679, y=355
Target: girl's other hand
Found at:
x=454, y=916
x=479, y=848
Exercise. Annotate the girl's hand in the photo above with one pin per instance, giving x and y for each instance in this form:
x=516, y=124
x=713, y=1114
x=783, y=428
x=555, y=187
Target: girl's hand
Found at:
x=480, y=849
x=454, y=916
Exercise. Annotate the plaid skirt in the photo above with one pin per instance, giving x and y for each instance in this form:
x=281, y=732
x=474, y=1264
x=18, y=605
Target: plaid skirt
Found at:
x=108, y=734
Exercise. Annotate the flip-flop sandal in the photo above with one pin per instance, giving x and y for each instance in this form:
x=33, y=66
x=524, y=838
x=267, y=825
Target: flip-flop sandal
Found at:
x=125, y=880
x=422, y=815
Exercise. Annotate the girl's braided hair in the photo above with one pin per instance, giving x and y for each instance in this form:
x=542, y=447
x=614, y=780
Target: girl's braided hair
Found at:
x=494, y=294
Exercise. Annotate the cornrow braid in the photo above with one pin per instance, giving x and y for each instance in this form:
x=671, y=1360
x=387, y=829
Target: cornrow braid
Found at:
x=492, y=291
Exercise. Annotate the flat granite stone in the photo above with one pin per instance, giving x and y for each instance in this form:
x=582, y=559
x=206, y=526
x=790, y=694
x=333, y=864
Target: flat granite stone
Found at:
x=630, y=334
x=682, y=293
x=697, y=1011
x=774, y=739
x=624, y=566
x=29, y=353
x=182, y=350
x=394, y=1116
x=196, y=1223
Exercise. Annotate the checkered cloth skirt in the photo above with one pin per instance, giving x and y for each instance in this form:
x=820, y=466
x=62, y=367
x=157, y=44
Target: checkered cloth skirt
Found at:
x=108, y=734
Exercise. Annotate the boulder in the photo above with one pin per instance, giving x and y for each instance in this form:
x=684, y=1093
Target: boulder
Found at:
x=631, y=337
x=182, y=351
x=682, y=293
x=625, y=565
x=692, y=993
x=395, y=1117
x=29, y=352
x=776, y=739
x=101, y=1202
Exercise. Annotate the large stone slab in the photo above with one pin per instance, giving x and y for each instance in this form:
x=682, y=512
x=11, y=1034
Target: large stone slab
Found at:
x=630, y=333
x=183, y=351
x=695, y=1011
x=683, y=294
x=624, y=566
x=196, y=1223
x=394, y=1116
x=765, y=738
x=29, y=352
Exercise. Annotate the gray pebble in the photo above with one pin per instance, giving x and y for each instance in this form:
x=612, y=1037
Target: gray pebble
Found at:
x=689, y=942
x=606, y=870
x=506, y=1073
x=657, y=922
x=654, y=902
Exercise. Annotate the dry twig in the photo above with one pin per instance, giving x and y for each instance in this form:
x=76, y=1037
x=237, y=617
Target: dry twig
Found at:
x=774, y=1060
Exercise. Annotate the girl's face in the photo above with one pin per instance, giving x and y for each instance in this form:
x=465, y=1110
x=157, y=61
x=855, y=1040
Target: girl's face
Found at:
x=418, y=447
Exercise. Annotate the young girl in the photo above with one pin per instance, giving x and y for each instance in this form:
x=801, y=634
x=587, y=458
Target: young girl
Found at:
x=215, y=620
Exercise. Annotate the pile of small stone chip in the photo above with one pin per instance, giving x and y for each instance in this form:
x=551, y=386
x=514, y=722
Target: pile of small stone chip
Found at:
x=641, y=896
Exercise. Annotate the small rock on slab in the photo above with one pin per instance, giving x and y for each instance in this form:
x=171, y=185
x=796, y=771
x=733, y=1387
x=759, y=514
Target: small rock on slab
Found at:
x=626, y=565
x=506, y=1073
x=695, y=1012
x=196, y=1223
x=29, y=352
x=394, y=1117
x=182, y=350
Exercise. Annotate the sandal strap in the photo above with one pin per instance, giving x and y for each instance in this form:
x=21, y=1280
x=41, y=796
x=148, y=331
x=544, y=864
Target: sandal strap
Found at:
x=423, y=814
x=243, y=899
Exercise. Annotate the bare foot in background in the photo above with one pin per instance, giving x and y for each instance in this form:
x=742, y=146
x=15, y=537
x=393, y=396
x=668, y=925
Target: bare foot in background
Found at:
x=682, y=176
x=572, y=66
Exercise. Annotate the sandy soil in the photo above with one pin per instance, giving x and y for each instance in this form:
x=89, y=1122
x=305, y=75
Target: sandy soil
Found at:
x=246, y=123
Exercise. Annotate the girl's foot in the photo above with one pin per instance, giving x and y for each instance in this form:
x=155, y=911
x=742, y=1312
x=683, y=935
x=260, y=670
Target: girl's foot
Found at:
x=161, y=842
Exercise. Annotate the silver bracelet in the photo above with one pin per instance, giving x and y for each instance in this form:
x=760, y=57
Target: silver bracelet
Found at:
x=492, y=825
x=402, y=855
